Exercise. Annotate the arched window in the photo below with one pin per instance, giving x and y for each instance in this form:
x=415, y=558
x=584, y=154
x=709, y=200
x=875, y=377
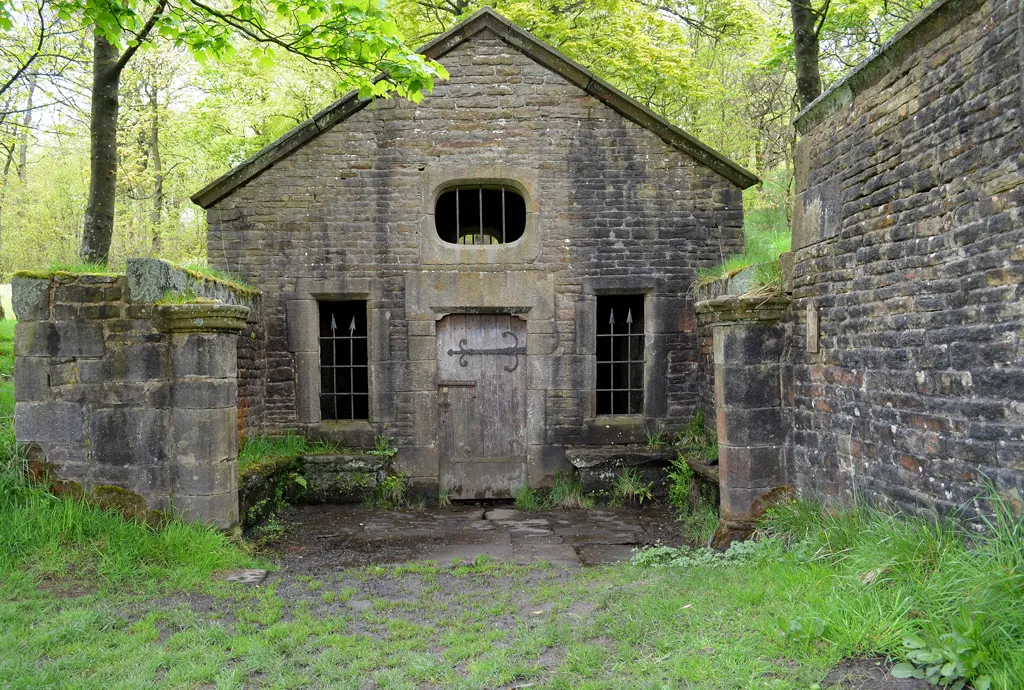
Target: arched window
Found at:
x=480, y=215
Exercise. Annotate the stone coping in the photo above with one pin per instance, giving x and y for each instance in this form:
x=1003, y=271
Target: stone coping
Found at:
x=734, y=308
x=201, y=318
x=928, y=23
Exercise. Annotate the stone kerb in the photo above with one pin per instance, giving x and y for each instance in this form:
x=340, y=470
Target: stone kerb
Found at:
x=749, y=340
x=127, y=403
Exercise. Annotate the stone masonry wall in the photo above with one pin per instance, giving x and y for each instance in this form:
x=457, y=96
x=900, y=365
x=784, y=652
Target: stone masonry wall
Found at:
x=114, y=390
x=613, y=208
x=909, y=245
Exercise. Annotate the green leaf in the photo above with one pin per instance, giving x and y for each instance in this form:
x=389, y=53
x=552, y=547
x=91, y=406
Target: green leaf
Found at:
x=903, y=670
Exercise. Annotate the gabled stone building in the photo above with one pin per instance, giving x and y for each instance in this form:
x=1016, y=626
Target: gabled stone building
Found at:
x=490, y=277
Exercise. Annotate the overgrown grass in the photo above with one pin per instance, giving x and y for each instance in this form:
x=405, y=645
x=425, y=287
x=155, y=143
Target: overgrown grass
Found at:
x=566, y=494
x=762, y=249
x=203, y=270
x=258, y=449
x=696, y=510
x=45, y=537
x=78, y=268
x=883, y=577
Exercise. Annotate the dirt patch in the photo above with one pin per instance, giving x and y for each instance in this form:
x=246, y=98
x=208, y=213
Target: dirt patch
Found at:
x=868, y=674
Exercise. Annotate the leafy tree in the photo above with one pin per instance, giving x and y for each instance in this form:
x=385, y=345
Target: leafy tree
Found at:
x=354, y=36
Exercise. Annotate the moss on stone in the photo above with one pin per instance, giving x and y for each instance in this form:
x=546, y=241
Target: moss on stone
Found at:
x=117, y=499
x=205, y=274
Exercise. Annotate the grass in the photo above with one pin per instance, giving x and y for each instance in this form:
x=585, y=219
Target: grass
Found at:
x=259, y=449
x=206, y=272
x=566, y=494
x=79, y=268
x=762, y=249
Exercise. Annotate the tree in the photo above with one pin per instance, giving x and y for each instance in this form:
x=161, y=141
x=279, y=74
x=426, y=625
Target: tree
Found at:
x=807, y=24
x=354, y=37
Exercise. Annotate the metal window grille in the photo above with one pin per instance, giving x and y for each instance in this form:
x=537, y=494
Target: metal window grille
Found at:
x=620, y=354
x=344, y=369
x=480, y=215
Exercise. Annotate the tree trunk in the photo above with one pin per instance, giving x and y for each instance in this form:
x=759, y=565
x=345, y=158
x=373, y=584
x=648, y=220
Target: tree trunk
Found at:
x=158, y=174
x=23, y=147
x=805, y=50
x=99, y=214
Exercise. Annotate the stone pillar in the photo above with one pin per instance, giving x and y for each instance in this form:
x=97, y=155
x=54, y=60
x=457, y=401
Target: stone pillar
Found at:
x=749, y=338
x=203, y=448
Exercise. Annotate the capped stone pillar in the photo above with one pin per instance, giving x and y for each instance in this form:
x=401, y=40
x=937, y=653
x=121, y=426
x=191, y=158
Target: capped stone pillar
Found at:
x=749, y=338
x=203, y=448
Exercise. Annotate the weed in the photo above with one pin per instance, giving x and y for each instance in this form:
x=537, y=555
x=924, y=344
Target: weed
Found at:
x=951, y=661
x=762, y=249
x=655, y=439
x=382, y=447
x=528, y=500
x=567, y=494
x=668, y=556
x=630, y=487
x=390, y=493
x=444, y=498
x=259, y=449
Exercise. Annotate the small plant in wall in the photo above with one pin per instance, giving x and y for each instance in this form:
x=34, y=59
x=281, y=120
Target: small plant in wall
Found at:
x=390, y=493
x=655, y=439
x=382, y=447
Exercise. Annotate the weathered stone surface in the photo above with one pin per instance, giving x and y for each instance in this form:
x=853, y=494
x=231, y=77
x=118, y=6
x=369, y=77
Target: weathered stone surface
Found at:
x=341, y=478
x=102, y=414
x=202, y=318
x=598, y=468
x=906, y=238
x=30, y=298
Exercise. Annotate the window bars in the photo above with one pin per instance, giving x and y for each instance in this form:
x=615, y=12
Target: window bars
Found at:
x=480, y=215
x=344, y=369
x=620, y=355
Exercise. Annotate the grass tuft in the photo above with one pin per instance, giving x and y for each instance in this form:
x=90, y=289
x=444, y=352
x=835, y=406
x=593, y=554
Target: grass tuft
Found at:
x=259, y=449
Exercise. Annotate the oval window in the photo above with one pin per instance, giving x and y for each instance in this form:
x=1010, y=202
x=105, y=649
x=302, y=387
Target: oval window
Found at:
x=480, y=215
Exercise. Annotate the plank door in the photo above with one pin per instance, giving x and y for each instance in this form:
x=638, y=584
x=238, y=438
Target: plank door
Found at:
x=481, y=393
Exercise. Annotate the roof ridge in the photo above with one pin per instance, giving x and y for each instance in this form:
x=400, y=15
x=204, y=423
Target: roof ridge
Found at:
x=531, y=46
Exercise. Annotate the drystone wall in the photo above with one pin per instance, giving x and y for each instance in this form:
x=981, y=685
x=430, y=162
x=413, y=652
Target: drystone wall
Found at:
x=125, y=401
x=349, y=215
x=908, y=247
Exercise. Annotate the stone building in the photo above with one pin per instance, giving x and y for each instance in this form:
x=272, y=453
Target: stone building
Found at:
x=490, y=277
x=893, y=368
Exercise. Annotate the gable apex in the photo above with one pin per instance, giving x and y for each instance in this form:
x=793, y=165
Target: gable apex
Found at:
x=483, y=19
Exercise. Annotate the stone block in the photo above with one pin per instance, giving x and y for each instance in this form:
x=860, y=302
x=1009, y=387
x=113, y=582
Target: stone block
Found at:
x=614, y=430
x=53, y=422
x=216, y=510
x=31, y=378
x=67, y=339
x=128, y=436
x=753, y=386
x=211, y=355
x=754, y=343
x=303, y=317
x=752, y=466
x=307, y=387
x=348, y=434
x=203, y=436
x=30, y=298
x=204, y=393
x=205, y=478
x=750, y=427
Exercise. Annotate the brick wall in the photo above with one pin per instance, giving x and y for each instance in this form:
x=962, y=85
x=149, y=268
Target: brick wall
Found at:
x=909, y=242
x=349, y=213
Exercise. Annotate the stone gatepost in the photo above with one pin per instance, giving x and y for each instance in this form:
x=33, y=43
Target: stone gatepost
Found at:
x=203, y=445
x=749, y=338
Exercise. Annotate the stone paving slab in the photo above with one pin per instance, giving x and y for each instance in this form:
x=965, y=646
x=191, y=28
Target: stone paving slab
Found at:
x=340, y=536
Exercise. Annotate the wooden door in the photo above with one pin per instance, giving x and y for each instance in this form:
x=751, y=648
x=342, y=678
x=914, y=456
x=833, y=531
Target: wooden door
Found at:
x=481, y=393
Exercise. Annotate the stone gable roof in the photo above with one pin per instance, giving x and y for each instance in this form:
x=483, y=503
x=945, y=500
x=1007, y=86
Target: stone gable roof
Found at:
x=514, y=36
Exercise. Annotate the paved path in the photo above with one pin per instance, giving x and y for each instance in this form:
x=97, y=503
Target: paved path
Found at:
x=329, y=536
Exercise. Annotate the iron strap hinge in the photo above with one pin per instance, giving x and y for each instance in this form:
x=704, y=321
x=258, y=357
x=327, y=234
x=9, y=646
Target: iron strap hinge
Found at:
x=513, y=351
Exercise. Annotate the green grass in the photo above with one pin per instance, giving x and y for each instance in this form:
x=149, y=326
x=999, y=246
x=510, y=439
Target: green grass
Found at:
x=80, y=268
x=566, y=494
x=762, y=248
x=259, y=449
x=207, y=272
x=43, y=537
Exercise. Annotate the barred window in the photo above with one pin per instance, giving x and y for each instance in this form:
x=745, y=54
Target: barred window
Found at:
x=344, y=370
x=480, y=215
x=620, y=354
